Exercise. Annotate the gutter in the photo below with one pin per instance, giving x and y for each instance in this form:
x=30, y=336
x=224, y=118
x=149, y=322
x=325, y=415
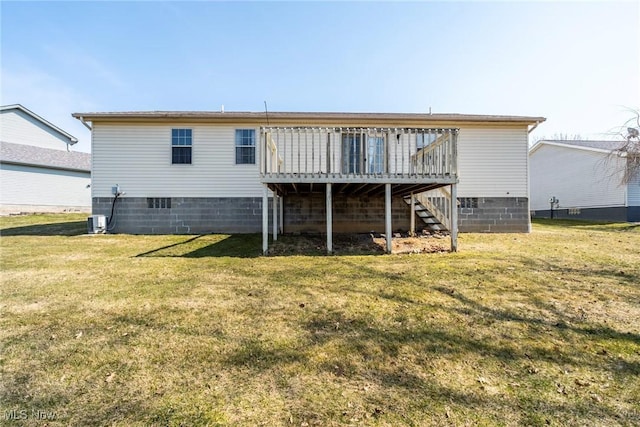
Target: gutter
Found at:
x=43, y=166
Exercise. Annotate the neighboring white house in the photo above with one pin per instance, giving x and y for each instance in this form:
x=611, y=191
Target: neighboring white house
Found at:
x=38, y=170
x=585, y=179
x=199, y=172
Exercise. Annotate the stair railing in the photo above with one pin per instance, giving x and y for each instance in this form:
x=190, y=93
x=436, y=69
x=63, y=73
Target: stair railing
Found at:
x=273, y=162
x=438, y=202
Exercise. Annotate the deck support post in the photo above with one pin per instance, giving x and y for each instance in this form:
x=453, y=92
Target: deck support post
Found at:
x=329, y=220
x=265, y=219
x=454, y=218
x=274, y=208
x=387, y=215
x=413, y=214
x=281, y=215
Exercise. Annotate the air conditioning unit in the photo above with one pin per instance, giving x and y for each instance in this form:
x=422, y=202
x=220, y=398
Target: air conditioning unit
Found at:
x=97, y=224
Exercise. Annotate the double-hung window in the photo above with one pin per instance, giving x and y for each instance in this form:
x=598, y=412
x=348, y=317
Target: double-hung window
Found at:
x=181, y=142
x=245, y=147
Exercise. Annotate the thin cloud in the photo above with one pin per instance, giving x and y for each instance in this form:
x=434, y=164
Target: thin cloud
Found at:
x=85, y=63
x=48, y=97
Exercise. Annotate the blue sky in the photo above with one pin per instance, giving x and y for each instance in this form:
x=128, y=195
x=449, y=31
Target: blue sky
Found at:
x=576, y=63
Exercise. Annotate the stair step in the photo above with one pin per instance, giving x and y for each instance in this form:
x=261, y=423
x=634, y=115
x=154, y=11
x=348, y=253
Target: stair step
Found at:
x=425, y=214
x=431, y=222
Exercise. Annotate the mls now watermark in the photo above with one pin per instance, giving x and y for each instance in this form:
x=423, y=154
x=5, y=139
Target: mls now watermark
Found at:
x=33, y=414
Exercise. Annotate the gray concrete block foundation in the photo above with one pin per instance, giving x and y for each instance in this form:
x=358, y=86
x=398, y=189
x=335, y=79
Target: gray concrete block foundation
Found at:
x=303, y=213
x=307, y=213
x=496, y=215
x=187, y=215
x=614, y=214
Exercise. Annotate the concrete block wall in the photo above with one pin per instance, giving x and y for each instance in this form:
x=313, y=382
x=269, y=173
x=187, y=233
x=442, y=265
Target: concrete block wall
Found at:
x=307, y=213
x=304, y=213
x=496, y=215
x=187, y=215
x=615, y=214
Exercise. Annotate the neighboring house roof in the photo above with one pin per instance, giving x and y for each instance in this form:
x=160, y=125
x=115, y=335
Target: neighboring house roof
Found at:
x=598, y=146
x=302, y=116
x=29, y=155
x=72, y=139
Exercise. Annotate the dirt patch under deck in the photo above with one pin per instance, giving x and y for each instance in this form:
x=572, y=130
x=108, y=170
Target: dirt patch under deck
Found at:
x=361, y=243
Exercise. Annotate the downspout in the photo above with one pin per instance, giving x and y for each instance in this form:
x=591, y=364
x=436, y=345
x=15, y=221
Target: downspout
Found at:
x=528, y=132
x=528, y=171
x=87, y=124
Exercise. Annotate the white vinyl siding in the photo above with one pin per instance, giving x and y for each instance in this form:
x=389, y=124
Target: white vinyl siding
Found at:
x=18, y=127
x=633, y=191
x=27, y=185
x=138, y=158
x=578, y=178
x=492, y=161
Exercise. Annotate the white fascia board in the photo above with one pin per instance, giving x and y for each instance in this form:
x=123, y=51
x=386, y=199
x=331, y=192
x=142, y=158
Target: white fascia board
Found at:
x=539, y=144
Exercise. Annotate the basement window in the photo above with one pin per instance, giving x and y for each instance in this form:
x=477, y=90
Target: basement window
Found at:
x=181, y=141
x=468, y=202
x=159, y=202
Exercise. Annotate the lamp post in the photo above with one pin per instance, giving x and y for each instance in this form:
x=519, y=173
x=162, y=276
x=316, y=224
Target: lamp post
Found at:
x=553, y=202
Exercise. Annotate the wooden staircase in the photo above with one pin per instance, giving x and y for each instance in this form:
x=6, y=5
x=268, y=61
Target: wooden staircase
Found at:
x=429, y=219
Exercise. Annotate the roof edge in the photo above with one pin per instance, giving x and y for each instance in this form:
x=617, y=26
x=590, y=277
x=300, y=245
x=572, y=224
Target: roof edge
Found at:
x=25, y=110
x=542, y=142
x=298, y=116
x=44, y=166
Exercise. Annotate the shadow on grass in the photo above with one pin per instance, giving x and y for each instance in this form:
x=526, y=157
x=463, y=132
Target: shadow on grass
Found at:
x=563, y=320
x=235, y=246
x=620, y=274
x=250, y=246
x=366, y=350
x=74, y=228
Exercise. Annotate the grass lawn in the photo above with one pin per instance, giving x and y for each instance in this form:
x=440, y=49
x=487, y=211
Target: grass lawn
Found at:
x=515, y=329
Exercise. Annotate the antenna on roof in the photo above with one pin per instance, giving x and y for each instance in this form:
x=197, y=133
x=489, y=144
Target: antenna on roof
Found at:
x=429, y=110
x=266, y=112
x=222, y=108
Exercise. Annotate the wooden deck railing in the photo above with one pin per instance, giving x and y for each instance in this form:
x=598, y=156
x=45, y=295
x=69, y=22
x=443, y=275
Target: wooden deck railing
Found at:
x=358, y=154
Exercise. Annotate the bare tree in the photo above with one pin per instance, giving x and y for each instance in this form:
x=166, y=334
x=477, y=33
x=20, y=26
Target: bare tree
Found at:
x=629, y=148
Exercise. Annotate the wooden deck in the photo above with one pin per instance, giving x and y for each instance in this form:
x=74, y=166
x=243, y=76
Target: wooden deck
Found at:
x=357, y=161
x=352, y=155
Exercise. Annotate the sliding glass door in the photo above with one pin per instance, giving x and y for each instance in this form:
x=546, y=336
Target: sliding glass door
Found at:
x=362, y=154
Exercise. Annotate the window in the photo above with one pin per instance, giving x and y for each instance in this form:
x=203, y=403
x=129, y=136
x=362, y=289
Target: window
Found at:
x=468, y=202
x=181, y=146
x=245, y=147
x=351, y=152
x=356, y=157
x=375, y=154
x=424, y=139
x=159, y=202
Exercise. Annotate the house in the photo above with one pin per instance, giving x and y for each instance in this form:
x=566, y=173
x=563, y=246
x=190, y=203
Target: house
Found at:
x=205, y=172
x=586, y=180
x=38, y=170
